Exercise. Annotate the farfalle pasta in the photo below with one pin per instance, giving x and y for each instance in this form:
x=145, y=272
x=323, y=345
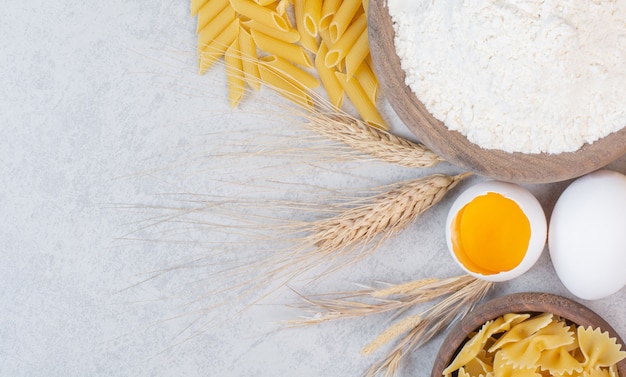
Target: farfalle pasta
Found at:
x=540, y=345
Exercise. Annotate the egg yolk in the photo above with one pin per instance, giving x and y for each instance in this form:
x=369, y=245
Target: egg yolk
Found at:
x=490, y=234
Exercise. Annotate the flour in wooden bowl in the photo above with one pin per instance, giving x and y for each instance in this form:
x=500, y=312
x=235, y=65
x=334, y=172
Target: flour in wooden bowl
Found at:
x=518, y=76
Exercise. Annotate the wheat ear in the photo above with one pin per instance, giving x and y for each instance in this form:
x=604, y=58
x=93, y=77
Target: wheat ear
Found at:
x=383, y=215
x=373, y=141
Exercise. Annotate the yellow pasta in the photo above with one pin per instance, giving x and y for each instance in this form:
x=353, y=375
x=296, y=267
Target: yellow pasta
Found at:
x=290, y=71
x=343, y=46
x=366, y=5
x=470, y=349
x=196, y=5
x=598, y=348
x=559, y=361
x=331, y=83
x=368, y=111
x=343, y=17
x=288, y=51
x=208, y=12
x=289, y=36
x=308, y=41
x=265, y=15
x=264, y=3
x=247, y=47
x=329, y=8
x=312, y=14
x=234, y=73
x=534, y=348
x=523, y=330
x=357, y=54
x=504, y=369
x=215, y=27
x=366, y=77
x=285, y=87
x=218, y=46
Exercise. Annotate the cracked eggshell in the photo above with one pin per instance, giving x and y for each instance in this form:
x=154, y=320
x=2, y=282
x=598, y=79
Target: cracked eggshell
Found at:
x=529, y=205
x=587, y=235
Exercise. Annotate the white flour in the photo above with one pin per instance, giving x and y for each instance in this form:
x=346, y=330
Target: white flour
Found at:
x=519, y=76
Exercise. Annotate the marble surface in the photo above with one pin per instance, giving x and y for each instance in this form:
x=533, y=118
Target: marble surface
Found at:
x=127, y=185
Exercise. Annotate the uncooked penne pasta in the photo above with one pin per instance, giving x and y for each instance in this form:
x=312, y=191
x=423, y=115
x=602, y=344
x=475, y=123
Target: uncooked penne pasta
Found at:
x=331, y=83
x=289, y=36
x=196, y=5
x=357, y=54
x=338, y=51
x=307, y=41
x=234, y=73
x=285, y=87
x=249, y=58
x=285, y=68
x=312, y=14
x=254, y=11
x=366, y=108
x=218, y=46
x=366, y=5
x=329, y=8
x=208, y=12
x=343, y=17
x=368, y=81
x=215, y=27
x=288, y=51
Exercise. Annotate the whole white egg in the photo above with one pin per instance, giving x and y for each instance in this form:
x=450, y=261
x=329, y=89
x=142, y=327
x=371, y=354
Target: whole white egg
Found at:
x=587, y=235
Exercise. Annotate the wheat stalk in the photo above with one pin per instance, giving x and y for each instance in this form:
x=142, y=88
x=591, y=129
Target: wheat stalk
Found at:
x=434, y=320
x=460, y=294
x=394, y=298
x=364, y=138
x=383, y=215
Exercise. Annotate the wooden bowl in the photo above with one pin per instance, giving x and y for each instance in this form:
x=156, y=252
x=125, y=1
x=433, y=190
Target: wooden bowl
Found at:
x=453, y=146
x=530, y=302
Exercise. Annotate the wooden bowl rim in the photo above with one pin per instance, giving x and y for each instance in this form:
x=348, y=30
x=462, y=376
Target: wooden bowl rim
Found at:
x=526, y=302
x=456, y=148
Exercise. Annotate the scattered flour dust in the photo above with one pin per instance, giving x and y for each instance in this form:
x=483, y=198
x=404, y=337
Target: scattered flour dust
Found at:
x=519, y=76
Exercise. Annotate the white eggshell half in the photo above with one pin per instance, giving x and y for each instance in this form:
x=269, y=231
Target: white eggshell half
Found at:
x=587, y=236
x=528, y=204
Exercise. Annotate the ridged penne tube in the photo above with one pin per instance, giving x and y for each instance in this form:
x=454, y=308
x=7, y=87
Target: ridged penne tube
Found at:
x=289, y=36
x=288, y=51
x=196, y=5
x=357, y=54
x=208, y=12
x=249, y=58
x=331, y=83
x=329, y=8
x=343, y=17
x=338, y=51
x=215, y=27
x=307, y=41
x=218, y=46
x=234, y=73
x=259, y=13
x=366, y=108
x=285, y=87
x=285, y=68
x=265, y=3
x=312, y=14
x=368, y=81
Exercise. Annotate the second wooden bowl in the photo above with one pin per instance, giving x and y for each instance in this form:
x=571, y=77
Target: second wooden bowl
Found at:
x=530, y=302
x=453, y=146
